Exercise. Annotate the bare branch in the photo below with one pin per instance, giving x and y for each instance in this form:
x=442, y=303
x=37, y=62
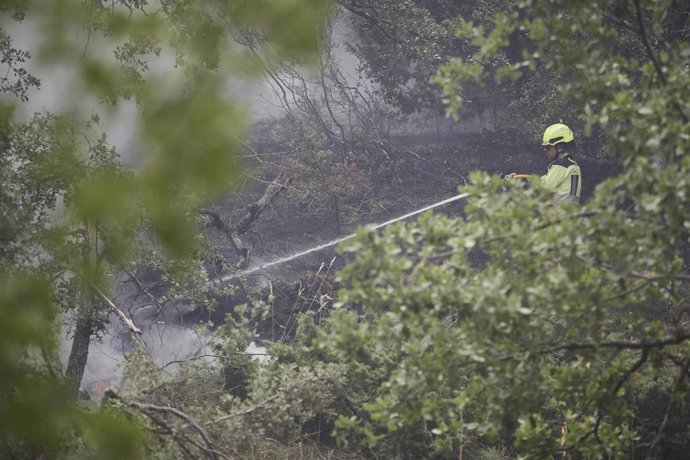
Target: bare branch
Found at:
x=150, y=409
x=254, y=211
x=134, y=331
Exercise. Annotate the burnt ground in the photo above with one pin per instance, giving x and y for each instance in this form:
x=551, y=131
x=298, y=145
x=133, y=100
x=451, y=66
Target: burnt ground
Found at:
x=416, y=171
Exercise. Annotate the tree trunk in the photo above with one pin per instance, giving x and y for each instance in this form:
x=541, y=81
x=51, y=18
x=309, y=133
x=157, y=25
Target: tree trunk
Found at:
x=79, y=353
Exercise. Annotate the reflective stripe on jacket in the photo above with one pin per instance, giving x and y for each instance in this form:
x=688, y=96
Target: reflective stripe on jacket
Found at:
x=564, y=178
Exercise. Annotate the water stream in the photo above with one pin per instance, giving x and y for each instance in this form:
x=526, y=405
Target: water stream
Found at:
x=340, y=240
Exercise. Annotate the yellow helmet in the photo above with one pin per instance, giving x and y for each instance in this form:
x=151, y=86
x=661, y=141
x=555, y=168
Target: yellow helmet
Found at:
x=557, y=134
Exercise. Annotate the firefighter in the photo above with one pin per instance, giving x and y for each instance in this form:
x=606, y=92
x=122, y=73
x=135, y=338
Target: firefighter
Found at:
x=563, y=175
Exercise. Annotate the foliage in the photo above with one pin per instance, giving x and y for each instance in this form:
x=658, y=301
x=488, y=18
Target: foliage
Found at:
x=37, y=414
x=402, y=43
x=529, y=321
x=328, y=180
x=71, y=213
x=334, y=123
x=561, y=330
x=17, y=81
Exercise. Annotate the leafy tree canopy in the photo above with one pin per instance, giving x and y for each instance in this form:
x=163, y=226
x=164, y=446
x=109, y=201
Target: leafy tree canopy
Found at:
x=68, y=206
x=524, y=320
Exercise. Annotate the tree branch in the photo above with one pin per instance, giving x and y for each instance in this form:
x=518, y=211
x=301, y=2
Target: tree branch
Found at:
x=655, y=60
x=676, y=384
x=252, y=214
x=254, y=211
x=147, y=292
x=375, y=21
x=645, y=40
x=149, y=409
x=134, y=332
x=659, y=343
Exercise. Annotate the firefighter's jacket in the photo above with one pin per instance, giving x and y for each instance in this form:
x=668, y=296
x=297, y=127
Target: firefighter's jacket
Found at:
x=563, y=177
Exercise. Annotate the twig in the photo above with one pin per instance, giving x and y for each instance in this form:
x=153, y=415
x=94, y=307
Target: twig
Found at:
x=221, y=357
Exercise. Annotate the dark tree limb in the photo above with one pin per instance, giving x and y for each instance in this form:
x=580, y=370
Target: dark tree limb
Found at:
x=648, y=46
x=655, y=60
x=253, y=212
x=673, y=339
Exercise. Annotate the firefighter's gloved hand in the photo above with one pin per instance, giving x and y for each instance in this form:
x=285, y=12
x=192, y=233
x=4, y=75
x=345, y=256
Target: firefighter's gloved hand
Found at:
x=509, y=176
